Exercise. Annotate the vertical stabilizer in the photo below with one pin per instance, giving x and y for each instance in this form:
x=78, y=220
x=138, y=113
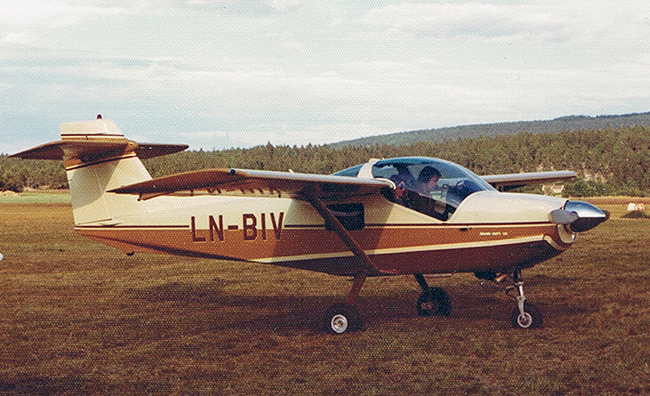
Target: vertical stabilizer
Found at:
x=91, y=175
x=96, y=130
x=99, y=158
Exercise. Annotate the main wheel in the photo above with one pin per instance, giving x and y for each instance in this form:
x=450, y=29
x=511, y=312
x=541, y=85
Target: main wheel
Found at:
x=531, y=318
x=342, y=318
x=436, y=302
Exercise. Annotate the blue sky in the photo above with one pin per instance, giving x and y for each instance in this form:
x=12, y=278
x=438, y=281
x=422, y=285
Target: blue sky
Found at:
x=218, y=74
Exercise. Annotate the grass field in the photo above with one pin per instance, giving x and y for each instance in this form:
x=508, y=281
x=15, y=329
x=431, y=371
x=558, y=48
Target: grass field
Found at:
x=37, y=197
x=82, y=318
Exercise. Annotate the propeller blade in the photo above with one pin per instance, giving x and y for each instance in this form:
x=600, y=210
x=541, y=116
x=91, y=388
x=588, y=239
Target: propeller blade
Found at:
x=560, y=216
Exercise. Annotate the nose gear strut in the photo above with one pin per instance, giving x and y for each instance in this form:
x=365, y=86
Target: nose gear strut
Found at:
x=525, y=315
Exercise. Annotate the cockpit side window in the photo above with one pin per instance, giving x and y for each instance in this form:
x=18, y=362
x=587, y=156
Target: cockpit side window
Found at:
x=349, y=172
x=398, y=174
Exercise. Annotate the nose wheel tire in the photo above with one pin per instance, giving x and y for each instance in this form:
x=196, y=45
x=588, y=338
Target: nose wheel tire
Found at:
x=342, y=318
x=531, y=318
x=435, y=302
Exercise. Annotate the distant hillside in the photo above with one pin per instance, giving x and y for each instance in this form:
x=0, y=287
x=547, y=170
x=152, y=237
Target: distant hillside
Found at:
x=562, y=124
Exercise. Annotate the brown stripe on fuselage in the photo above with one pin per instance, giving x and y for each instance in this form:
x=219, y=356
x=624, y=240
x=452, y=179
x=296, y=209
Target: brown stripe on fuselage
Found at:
x=394, y=248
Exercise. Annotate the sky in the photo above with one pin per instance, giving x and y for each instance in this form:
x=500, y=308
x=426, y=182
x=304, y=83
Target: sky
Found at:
x=221, y=74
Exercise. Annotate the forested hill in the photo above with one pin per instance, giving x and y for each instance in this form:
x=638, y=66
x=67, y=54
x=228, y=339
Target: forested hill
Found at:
x=568, y=123
x=610, y=161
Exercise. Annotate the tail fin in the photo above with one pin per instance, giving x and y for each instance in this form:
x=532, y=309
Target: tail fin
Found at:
x=99, y=158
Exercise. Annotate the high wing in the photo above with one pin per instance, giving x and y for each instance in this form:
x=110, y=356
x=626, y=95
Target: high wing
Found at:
x=256, y=182
x=513, y=180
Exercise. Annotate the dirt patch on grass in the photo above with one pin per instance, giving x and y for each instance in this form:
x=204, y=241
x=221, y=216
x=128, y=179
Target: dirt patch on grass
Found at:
x=636, y=214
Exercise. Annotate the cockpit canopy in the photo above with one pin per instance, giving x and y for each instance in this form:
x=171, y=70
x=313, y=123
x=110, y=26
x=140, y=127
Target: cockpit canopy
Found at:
x=412, y=177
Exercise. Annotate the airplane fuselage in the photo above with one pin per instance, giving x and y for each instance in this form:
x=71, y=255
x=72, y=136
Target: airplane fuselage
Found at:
x=288, y=232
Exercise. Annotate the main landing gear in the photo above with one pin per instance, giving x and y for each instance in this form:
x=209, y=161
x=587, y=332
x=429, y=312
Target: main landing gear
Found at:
x=344, y=317
x=525, y=315
x=433, y=300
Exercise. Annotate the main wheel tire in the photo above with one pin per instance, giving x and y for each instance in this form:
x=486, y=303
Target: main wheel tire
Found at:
x=425, y=305
x=436, y=302
x=531, y=319
x=444, y=303
x=342, y=318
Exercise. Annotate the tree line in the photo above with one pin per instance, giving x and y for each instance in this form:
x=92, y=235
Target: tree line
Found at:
x=610, y=161
x=566, y=123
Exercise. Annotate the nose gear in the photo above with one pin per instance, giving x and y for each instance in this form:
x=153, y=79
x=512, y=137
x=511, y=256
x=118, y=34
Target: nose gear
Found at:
x=525, y=315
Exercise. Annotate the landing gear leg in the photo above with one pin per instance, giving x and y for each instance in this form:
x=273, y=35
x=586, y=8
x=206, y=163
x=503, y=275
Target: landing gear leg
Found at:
x=433, y=300
x=344, y=317
x=525, y=315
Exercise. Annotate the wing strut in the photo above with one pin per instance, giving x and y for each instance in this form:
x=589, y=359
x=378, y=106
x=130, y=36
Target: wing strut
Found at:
x=343, y=316
x=368, y=267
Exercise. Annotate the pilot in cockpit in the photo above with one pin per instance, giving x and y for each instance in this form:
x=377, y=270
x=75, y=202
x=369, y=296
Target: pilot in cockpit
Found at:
x=427, y=181
x=418, y=194
x=401, y=193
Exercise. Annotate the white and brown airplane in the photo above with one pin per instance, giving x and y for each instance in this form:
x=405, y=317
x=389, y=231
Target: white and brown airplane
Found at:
x=403, y=216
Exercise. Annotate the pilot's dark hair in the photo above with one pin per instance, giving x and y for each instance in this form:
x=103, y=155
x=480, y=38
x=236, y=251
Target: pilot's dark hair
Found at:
x=427, y=173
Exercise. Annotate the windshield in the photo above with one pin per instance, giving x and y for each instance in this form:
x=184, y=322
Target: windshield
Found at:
x=431, y=186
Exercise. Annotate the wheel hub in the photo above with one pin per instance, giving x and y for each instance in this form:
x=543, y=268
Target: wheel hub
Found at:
x=339, y=323
x=525, y=320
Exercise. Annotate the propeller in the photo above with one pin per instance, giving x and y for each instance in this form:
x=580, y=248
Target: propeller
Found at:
x=579, y=216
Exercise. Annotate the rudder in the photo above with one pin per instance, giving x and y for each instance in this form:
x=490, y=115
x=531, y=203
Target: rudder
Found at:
x=92, y=175
x=99, y=158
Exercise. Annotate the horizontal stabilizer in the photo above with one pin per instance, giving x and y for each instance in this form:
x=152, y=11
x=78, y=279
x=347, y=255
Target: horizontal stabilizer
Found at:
x=96, y=139
x=88, y=149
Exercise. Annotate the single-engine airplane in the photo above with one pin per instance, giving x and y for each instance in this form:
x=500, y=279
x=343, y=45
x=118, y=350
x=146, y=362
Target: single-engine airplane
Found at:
x=404, y=216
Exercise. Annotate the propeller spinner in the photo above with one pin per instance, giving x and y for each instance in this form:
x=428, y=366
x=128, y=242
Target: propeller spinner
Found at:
x=579, y=216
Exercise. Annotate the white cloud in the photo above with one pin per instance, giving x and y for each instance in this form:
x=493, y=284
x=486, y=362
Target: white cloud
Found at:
x=294, y=71
x=50, y=14
x=286, y=4
x=468, y=19
x=280, y=134
x=18, y=38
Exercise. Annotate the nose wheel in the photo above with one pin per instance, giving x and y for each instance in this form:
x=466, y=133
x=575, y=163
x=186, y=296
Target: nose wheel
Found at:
x=529, y=317
x=525, y=315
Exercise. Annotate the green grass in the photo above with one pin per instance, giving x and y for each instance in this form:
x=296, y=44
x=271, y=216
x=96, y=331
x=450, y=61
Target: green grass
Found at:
x=82, y=318
x=37, y=197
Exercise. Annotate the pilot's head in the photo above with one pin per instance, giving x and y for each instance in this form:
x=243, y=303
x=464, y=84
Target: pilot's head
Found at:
x=427, y=173
x=429, y=177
